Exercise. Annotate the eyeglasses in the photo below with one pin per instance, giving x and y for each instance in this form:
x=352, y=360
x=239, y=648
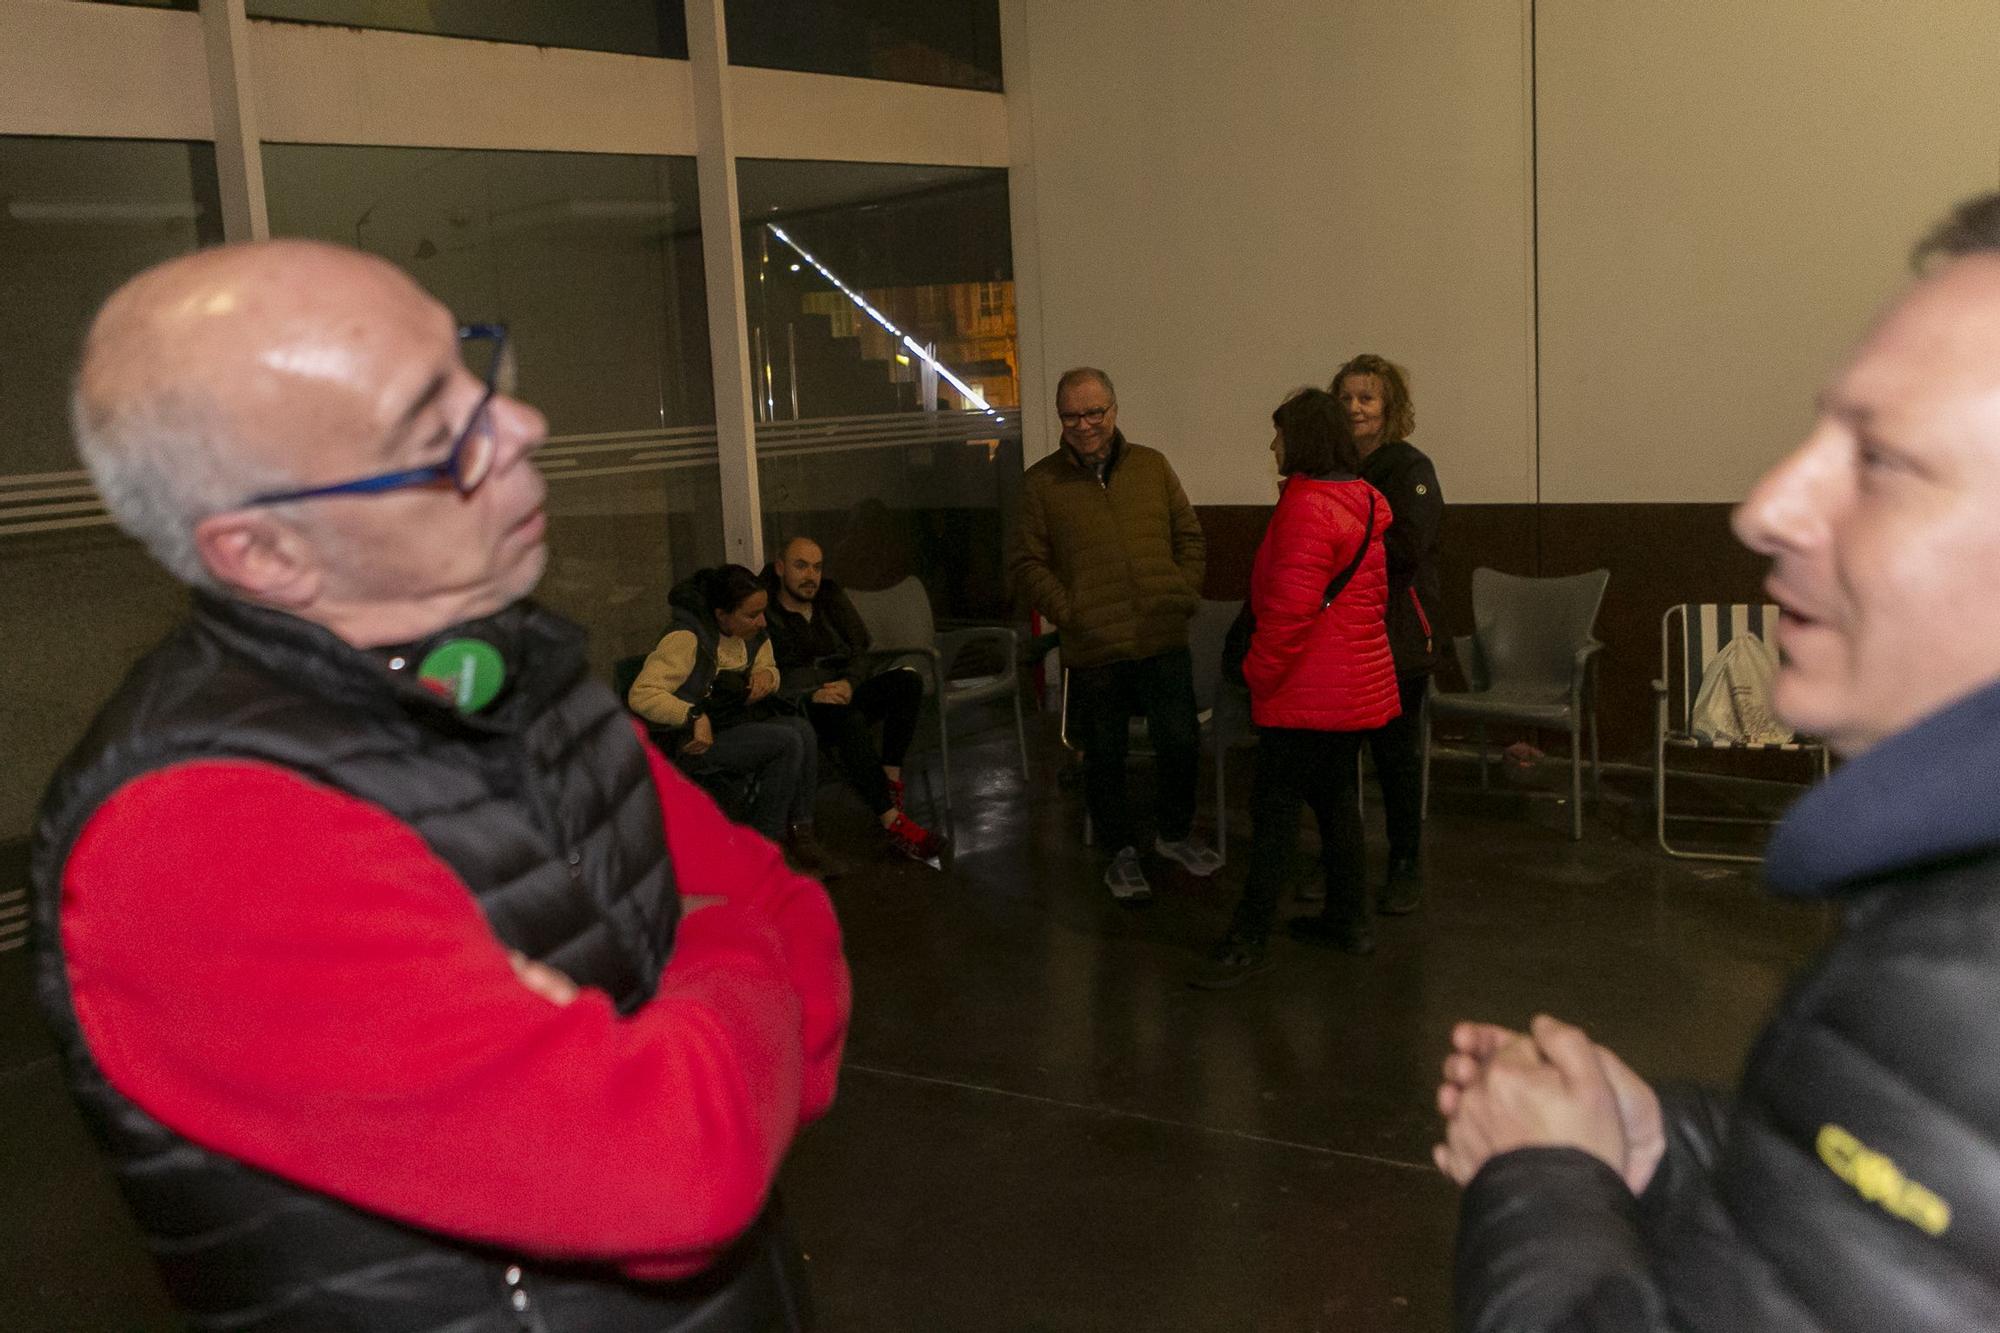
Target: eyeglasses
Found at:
x=471, y=456
x=1094, y=415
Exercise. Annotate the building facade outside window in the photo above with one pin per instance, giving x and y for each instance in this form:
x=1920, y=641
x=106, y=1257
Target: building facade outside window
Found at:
x=80, y=600
x=594, y=262
x=952, y=43
x=634, y=27
x=885, y=371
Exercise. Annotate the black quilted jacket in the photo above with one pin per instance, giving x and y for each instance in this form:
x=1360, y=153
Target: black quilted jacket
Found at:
x=1854, y=1183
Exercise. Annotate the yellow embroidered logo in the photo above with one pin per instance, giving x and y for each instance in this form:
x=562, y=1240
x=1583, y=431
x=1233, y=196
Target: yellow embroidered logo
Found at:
x=1878, y=1180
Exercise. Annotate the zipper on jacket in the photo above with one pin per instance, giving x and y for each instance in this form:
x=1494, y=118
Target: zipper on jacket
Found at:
x=1422, y=620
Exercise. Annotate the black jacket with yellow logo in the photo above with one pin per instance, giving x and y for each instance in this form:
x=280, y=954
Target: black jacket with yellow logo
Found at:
x=1854, y=1182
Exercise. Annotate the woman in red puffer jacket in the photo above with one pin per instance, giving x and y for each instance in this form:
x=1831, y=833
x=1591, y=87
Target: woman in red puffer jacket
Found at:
x=1321, y=678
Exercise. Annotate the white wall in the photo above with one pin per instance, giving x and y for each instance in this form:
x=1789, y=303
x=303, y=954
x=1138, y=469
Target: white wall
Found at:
x=1728, y=191
x=1232, y=199
x=1228, y=199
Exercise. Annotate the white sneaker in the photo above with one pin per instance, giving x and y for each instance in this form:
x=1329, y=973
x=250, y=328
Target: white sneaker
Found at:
x=1126, y=878
x=1197, y=858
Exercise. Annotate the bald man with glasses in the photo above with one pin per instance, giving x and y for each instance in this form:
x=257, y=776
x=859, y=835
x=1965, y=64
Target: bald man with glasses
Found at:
x=405, y=985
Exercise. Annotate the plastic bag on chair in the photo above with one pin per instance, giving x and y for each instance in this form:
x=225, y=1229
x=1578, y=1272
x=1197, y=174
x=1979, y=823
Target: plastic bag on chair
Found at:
x=1733, y=706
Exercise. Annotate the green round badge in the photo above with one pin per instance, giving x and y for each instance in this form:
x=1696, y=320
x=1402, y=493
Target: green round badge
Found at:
x=468, y=672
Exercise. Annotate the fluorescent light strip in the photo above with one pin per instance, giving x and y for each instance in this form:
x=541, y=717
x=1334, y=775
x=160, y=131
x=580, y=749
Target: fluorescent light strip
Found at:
x=972, y=395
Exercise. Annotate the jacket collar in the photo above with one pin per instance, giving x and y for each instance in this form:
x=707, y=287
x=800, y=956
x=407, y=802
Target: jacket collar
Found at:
x=542, y=656
x=1110, y=464
x=1920, y=797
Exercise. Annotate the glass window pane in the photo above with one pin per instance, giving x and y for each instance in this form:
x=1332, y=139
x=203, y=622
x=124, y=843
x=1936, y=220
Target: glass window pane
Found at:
x=635, y=27
x=953, y=43
x=594, y=261
x=80, y=601
x=881, y=310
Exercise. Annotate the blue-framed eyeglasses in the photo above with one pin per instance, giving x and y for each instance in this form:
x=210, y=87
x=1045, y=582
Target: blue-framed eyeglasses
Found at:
x=471, y=456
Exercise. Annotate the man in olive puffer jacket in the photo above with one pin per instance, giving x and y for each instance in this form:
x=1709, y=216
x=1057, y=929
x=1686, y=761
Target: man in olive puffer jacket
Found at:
x=1854, y=1180
x=1110, y=549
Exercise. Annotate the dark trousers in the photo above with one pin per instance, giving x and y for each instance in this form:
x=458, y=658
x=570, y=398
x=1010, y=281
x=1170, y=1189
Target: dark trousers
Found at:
x=1106, y=699
x=893, y=699
x=1316, y=769
x=777, y=760
x=1398, y=756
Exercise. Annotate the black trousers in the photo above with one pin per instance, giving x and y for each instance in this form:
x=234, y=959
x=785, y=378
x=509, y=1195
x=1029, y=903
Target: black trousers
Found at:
x=1396, y=749
x=1316, y=769
x=1105, y=699
x=893, y=699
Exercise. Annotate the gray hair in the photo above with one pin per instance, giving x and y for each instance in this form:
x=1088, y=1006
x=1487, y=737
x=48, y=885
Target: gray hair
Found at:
x=1080, y=374
x=1971, y=228
x=161, y=463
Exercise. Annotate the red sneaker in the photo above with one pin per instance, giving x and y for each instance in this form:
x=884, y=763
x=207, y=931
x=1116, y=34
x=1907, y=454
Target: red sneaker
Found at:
x=913, y=840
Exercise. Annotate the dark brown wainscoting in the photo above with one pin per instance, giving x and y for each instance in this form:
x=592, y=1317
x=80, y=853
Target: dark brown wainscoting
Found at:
x=1658, y=555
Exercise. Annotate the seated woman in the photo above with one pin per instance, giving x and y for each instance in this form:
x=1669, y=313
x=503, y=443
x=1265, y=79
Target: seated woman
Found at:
x=707, y=693
x=1321, y=679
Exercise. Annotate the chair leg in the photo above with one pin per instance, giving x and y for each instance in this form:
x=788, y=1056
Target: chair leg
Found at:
x=1021, y=731
x=1424, y=765
x=1660, y=781
x=1360, y=788
x=944, y=753
x=1483, y=778
x=1596, y=770
x=1222, y=798
x=1424, y=752
x=1576, y=780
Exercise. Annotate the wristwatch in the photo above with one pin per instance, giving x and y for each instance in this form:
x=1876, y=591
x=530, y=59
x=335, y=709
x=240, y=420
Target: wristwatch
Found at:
x=695, y=711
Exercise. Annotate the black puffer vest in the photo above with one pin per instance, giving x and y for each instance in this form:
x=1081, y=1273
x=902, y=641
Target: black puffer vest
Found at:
x=693, y=616
x=543, y=805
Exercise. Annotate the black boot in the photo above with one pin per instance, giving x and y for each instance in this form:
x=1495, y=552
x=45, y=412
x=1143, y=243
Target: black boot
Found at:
x=1353, y=935
x=1404, y=892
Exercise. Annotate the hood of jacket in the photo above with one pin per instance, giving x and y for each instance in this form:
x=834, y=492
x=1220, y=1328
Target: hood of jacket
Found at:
x=686, y=596
x=1922, y=796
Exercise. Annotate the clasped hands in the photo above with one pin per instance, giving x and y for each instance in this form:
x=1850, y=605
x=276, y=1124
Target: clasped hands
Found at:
x=1551, y=1086
x=834, y=692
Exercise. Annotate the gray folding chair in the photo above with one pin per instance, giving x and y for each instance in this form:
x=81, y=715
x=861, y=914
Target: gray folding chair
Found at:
x=903, y=632
x=1530, y=659
x=1691, y=634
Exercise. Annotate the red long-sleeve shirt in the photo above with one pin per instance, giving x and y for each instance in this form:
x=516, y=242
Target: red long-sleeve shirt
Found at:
x=289, y=976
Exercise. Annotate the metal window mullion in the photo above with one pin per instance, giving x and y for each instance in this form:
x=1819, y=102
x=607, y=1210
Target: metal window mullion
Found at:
x=722, y=262
x=239, y=149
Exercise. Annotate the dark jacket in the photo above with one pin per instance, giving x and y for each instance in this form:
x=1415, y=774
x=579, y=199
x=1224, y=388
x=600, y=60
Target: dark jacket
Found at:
x=683, y=667
x=1854, y=1183
x=691, y=613
x=1314, y=664
x=568, y=860
x=830, y=646
x=1404, y=475
x=1117, y=563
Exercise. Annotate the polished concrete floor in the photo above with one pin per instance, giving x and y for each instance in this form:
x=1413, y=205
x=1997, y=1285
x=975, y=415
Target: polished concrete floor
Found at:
x=1040, y=1126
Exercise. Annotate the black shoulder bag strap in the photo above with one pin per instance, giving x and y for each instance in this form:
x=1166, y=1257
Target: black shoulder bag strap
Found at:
x=1340, y=580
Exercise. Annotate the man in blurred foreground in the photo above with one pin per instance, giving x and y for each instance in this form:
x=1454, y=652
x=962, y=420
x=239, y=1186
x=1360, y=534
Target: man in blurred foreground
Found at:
x=1854, y=1180
x=405, y=984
